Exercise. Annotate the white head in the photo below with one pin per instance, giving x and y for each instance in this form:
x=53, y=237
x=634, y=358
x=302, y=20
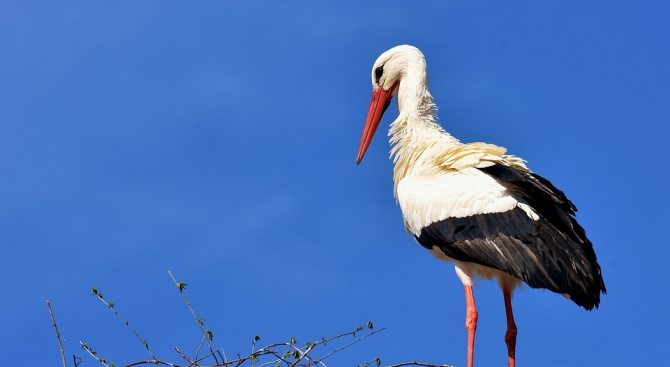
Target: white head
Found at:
x=392, y=66
x=389, y=71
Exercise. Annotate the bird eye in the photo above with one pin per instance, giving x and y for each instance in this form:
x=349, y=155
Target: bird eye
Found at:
x=378, y=73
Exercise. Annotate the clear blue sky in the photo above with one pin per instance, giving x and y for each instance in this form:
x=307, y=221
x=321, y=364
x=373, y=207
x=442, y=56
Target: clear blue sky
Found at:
x=218, y=141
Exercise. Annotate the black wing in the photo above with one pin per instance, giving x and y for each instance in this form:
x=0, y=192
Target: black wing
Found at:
x=551, y=252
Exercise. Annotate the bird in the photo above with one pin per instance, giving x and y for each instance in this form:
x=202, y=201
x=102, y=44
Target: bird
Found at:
x=474, y=205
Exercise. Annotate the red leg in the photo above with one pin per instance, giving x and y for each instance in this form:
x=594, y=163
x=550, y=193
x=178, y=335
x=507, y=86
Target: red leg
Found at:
x=510, y=335
x=470, y=322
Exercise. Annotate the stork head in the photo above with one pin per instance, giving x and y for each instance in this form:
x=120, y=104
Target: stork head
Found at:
x=387, y=73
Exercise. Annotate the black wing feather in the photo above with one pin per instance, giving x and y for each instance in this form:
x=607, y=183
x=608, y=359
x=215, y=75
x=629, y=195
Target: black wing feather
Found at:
x=552, y=252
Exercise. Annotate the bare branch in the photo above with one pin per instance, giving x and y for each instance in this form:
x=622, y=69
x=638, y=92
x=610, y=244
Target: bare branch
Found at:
x=126, y=322
x=151, y=361
x=303, y=354
x=94, y=354
x=205, y=333
x=184, y=356
x=415, y=363
x=352, y=343
x=60, y=342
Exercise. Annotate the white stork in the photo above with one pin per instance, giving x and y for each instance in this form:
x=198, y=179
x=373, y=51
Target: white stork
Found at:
x=475, y=205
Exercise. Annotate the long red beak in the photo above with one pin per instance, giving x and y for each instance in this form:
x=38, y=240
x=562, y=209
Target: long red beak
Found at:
x=380, y=102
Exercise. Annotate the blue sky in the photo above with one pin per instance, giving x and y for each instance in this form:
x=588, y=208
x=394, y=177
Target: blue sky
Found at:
x=218, y=141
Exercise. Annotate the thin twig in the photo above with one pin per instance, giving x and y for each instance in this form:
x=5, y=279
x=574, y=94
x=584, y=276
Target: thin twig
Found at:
x=197, y=361
x=275, y=362
x=415, y=363
x=202, y=342
x=261, y=352
x=126, y=322
x=184, y=356
x=60, y=342
x=253, y=348
x=94, y=354
x=303, y=354
x=352, y=343
x=222, y=354
x=195, y=317
x=151, y=361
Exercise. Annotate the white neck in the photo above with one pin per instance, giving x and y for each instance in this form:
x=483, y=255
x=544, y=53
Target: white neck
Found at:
x=416, y=130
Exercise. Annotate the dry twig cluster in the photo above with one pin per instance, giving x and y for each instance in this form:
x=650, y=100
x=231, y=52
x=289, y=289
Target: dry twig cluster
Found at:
x=281, y=354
